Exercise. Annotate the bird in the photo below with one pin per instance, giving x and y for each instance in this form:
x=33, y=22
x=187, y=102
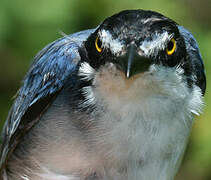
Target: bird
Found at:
x=116, y=102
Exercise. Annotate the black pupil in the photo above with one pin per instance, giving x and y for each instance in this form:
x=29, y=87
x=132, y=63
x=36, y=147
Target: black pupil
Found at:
x=170, y=45
x=99, y=43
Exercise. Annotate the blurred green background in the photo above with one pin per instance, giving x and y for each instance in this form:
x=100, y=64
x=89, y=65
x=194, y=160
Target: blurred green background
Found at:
x=26, y=26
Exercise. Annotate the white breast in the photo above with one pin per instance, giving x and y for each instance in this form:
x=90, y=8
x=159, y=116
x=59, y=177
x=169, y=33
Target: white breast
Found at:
x=146, y=121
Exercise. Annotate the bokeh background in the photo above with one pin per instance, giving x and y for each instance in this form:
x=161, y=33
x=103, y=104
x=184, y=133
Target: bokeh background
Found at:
x=26, y=26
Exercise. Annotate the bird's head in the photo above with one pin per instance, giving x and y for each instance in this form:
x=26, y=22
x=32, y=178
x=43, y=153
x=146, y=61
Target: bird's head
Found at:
x=146, y=44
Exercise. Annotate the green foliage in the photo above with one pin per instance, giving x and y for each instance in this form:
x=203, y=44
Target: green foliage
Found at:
x=26, y=26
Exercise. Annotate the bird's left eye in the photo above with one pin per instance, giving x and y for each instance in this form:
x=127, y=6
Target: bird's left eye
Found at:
x=98, y=45
x=171, y=47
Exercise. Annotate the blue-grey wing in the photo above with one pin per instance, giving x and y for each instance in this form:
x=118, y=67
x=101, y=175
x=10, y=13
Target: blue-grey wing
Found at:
x=51, y=68
x=195, y=57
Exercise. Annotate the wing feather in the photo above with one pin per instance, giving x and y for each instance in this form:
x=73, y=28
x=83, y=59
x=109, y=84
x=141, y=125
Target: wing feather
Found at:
x=51, y=68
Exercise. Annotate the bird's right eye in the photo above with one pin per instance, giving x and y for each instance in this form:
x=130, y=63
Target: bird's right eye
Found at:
x=98, y=45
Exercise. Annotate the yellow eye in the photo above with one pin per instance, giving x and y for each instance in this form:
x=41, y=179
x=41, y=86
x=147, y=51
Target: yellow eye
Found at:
x=98, y=45
x=171, y=47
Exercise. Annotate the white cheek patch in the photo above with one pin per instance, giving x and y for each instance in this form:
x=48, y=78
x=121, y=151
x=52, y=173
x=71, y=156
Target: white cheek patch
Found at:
x=158, y=42
x=109, y=42
x=86, y=72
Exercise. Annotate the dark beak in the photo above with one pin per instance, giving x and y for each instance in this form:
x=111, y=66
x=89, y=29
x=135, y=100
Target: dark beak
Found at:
x=132, y=63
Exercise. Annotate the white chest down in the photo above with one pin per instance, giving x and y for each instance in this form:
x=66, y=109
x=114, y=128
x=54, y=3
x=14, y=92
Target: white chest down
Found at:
x=148, y=145
x=146, y=125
